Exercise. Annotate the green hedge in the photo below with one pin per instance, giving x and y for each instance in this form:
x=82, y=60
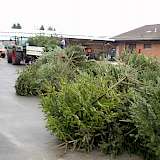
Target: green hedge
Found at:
x=49, y=68
x=49, y=43
x=90, y=112
x=111, y=108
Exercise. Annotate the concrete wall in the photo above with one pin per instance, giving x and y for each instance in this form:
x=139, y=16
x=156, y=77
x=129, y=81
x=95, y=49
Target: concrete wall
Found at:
x=153, y=51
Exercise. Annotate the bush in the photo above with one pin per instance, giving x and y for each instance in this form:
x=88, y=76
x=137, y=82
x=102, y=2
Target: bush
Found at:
x=49, y=68
x=49, y=43
x=26, y=82
x=145, y=108
x=112, y=108
x=145, y=113
x=148, y=68
x=76, y=54
x=89, y=112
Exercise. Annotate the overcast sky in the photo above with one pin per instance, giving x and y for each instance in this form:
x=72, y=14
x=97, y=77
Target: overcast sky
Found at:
x=85, y=17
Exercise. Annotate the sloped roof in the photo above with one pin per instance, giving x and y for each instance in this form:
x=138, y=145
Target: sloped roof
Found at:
x=98, y=38
x=148, y=32
x=24, y=33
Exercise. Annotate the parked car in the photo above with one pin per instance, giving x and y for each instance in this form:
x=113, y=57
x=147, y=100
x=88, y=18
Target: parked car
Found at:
x=3, y=51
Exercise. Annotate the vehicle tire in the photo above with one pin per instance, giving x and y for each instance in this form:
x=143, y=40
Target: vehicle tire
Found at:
x=27, y=59
x=17, y=58
x=3, y=55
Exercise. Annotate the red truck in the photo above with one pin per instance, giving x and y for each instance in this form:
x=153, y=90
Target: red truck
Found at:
x=26, y=54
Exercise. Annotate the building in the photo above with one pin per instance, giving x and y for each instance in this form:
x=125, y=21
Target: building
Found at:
x=97, y=45
x=92, y=44
x=144, y=40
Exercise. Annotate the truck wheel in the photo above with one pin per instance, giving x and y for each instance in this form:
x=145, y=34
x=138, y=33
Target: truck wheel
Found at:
x=27, y=60
x=16, y=59
x=3, y=55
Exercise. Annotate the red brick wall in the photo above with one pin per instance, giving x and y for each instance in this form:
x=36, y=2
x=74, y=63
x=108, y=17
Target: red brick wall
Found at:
x=153, y=51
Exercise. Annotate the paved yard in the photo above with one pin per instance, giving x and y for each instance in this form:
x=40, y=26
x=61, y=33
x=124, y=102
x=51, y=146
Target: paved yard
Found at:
x=23, y=135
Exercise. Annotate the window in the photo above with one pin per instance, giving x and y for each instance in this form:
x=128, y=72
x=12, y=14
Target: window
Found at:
x=132, y=47
x=148, y=45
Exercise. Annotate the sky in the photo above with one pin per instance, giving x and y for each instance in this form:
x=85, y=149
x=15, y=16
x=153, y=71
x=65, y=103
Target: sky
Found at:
x=80, y=17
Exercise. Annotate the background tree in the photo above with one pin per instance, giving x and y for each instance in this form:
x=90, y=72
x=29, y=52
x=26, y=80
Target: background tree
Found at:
x=50, y=28
x=42, y=28
x=14, y=26
x=42, y=41
x=19, y=26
